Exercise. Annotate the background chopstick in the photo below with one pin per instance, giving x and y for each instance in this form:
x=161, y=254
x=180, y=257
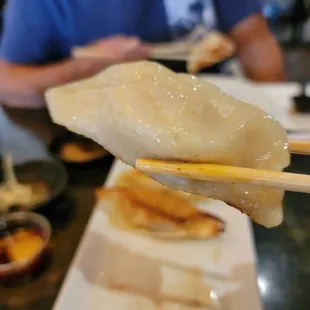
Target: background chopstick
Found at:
x=299, y=147
x=228, y=174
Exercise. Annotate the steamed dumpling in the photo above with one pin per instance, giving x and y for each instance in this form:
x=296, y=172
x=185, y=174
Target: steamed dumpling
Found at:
x=144, y=110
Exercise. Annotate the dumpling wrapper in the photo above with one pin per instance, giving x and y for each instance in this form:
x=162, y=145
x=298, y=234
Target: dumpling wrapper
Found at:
x=144, y=110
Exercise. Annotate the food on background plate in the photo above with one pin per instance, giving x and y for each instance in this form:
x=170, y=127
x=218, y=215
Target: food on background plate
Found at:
x=79, y=152
x=214, y=48
x=24, y=195
x=40, y=192
x=20, y=245
x=211, y=49
x=142, y=204
x=143, y=110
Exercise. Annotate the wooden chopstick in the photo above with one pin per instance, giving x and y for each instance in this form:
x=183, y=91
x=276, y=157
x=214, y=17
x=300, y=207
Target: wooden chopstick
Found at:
x=228, y=174
x=299, y=147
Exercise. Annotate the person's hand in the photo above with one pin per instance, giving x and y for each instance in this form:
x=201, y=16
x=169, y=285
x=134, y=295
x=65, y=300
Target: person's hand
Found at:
x=114, y=50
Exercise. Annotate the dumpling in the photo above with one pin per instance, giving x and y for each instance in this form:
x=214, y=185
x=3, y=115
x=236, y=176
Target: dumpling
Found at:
x=214, y=48
x=143, y=110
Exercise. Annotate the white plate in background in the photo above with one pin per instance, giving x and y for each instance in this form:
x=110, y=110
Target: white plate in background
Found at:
x=282, y=95
x=227, y=262
x=274, y=98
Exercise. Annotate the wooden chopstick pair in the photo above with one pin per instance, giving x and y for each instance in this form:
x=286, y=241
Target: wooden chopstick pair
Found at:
x=228, y=174
x=301, y=147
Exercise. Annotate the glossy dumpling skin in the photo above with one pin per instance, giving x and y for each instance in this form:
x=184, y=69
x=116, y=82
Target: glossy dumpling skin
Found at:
x=144, y=110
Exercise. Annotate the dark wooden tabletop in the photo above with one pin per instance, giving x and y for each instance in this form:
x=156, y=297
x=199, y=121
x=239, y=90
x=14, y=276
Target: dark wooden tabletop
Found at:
x=31, y=132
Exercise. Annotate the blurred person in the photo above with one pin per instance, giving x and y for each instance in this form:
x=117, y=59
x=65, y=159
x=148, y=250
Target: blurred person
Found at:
x=38, y=36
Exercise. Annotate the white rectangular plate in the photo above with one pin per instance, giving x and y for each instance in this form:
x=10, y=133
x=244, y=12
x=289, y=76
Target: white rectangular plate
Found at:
x=227, y=264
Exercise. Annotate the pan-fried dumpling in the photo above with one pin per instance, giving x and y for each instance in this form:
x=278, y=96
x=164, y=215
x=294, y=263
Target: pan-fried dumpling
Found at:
x=214, y=48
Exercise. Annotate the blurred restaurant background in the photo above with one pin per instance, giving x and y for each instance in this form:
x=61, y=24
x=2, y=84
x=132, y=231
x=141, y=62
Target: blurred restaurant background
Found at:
x=290, y=22
x=283, y=253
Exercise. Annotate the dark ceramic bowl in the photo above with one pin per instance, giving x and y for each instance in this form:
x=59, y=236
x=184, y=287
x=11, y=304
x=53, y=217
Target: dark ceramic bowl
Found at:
x=51, y=172
x=58, y=143
x=14, y=271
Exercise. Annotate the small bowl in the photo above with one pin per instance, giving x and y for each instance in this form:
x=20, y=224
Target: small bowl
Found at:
x=59, y=142
x=14, y=271
x=50, y=172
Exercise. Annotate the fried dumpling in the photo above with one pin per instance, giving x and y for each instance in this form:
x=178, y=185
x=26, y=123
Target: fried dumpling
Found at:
x=215, y=48
x=143, y=110
x=143, y=205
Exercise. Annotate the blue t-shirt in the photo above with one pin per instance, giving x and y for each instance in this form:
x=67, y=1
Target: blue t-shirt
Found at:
x=43, y=31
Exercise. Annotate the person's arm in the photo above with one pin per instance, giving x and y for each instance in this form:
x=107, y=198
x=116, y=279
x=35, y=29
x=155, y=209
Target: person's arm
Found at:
x=24, y=85
x=257, y=50
x=27, y=41
x=31, y=35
